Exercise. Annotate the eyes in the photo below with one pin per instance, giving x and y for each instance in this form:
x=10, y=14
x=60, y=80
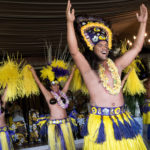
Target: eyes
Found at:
x=102, y=45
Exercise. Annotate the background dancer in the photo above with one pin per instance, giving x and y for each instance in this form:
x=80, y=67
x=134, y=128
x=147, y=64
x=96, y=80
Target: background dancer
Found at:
x=59, y=129
x=5, y=137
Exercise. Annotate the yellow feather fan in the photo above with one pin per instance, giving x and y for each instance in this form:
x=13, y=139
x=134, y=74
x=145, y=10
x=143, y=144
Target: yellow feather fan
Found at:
x=29, y=85
x=10, y=77
x=77, y=83
x=133, y=85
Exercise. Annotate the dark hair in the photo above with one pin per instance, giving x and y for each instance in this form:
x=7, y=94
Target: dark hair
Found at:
x=92, y=59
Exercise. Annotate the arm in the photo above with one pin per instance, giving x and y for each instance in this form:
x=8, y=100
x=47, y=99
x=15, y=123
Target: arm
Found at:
x=79, y=59
x=45, y=92
x=65, y=89
x=3, y=97
x=129, y=56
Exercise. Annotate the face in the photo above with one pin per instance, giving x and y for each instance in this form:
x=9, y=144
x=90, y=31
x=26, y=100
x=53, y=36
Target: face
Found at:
x=55, y=87
x=101, y=50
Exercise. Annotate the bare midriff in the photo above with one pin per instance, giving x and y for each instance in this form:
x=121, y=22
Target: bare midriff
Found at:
x=104, y=99
x=57, y=112
x=2, y=120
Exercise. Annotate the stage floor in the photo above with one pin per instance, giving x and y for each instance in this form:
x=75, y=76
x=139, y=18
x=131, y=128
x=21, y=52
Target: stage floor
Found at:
x=78, y=144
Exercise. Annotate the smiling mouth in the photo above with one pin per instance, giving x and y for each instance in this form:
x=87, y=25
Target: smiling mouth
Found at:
x=104, y=52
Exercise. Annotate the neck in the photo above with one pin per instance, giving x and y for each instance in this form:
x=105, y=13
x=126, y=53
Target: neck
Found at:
x=56, y=91
x=103, y=62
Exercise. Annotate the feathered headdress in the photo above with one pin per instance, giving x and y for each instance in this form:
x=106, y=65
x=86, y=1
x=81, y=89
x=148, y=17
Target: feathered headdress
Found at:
x=92, y=30
x=57, y=70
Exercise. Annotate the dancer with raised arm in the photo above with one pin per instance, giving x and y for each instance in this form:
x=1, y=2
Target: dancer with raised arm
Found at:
x=60, y=135
x=109, y=125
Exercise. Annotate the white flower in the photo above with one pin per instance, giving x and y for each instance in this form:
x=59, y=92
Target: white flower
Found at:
x=83, y=23
x=106, y=111
x=95, y=38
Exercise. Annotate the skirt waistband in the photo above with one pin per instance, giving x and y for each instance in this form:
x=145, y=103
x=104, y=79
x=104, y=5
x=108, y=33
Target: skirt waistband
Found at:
x=107, y=111
x=59, y=121
x=3, y=129
x=147, y=101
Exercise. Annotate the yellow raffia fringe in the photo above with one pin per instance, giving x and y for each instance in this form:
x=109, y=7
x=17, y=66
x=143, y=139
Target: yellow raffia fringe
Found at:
x=76, y=82
x=10, y=77
x=111, y=143
x=133, y=84
x=29, y=85
x=84, y=89
x=55, y=140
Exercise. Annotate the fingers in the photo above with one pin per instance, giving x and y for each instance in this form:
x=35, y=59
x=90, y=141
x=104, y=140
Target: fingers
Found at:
x=143, y=9
x=137, y=15
x=73, y=11
x=68, y=6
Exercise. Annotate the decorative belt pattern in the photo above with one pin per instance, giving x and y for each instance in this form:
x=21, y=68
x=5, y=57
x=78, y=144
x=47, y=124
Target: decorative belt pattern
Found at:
x=146, y=108
x=3, y=129
x=58, y=121
x=147, y=101
x=107, y=111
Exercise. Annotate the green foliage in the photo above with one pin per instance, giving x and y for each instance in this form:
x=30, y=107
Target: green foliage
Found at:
x=130, y=101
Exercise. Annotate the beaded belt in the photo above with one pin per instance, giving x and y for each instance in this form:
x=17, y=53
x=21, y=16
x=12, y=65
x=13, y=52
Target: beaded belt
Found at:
x=3, y=129
x=107, y=111
x=58, y=121
x=147, y=101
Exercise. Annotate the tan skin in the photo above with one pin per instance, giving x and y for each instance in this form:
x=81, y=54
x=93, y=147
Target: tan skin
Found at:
x=2, y=116
x=147, y=86
x=98, y=94
x=56, y=112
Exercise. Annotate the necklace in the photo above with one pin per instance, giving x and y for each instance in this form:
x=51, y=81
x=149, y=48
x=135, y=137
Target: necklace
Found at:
x=61, y=95
x=115, y=76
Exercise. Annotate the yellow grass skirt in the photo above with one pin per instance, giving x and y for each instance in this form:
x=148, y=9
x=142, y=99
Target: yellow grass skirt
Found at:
x=113, y=132
x=146, y=112
x=60, y=135
x=5, y=139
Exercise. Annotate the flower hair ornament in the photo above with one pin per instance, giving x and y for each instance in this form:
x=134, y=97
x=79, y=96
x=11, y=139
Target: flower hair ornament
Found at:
x=93, y=30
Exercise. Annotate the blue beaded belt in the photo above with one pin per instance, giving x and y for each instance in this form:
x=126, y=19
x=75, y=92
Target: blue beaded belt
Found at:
x=107, y=111
x=147, y=101
x=3, y=129
x=59, y=121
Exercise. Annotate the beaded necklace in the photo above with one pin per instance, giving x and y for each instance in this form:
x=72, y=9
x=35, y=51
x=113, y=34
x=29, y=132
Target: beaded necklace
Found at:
x=115, y=76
